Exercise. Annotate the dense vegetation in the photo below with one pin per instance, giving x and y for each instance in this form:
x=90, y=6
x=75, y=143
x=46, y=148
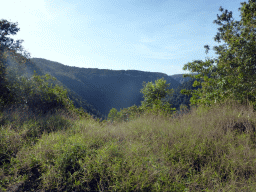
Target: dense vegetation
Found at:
x=204, y=150
x=46, y=144
x=234, y=74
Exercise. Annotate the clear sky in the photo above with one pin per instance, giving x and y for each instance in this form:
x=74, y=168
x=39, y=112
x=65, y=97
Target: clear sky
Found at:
x=146, y=35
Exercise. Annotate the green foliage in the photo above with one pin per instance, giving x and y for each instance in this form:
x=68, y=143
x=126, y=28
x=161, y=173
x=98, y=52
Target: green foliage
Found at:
x=234, y=74
x=8, y=44
x=72, y=78
x=130, y=113
x=41, y=96
x=158, y=108
x=210, y=150
x=16, y=90
x=178, y=99
x=112, y=114
x=125, y=114
x=115, y=116
x=183, y=107
x=154, y=94
x=203, y=151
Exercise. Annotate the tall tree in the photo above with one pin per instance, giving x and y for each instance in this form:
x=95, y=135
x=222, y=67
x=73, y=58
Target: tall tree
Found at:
x=233, y=76
x=17, y=90
x=8, y=45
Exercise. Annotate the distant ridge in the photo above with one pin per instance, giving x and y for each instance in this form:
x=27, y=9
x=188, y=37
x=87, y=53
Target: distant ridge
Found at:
x=97, y=91
x=104, y=88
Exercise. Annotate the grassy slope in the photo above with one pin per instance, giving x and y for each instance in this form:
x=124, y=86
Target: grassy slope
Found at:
x=204, y=150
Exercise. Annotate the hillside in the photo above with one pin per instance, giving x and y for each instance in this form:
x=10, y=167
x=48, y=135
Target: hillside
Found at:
x=103, y=88
x=179, y=78
x=28, y=69
x=97, y=91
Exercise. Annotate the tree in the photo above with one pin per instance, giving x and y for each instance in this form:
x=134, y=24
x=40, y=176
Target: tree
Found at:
x=8, y=45
x=233, y=76
x=16, y=90
x=112, y=114
x=178, y=99
x=40, y=97
x=155, y=96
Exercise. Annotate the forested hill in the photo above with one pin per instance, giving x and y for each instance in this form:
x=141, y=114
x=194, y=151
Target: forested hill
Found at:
x=99, y=90
x=104, y=88
x=77, y=73
x=180, y=78
x=27, y=69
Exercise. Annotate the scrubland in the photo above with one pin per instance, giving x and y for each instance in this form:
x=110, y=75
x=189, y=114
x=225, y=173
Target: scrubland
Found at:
x=205, y=149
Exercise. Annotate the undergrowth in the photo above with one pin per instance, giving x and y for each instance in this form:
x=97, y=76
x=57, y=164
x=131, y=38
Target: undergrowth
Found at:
x=205, y=149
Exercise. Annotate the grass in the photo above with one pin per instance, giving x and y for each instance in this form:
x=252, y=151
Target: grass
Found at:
x=206, y=149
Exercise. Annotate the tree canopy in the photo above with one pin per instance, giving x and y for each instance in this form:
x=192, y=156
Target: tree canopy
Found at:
x=232, y=74
x=34, y=93
x=7, y=44
x=156, y=96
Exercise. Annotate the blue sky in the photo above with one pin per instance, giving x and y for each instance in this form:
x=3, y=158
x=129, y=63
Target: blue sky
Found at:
x=146, y=35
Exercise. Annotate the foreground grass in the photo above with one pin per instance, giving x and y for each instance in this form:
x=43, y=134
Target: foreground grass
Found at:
x=207, y=149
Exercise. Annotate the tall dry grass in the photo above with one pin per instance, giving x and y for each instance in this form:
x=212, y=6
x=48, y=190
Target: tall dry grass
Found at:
x=205, y=149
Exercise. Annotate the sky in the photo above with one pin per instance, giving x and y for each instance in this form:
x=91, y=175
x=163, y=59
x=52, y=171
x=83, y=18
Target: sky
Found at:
x=146, y=35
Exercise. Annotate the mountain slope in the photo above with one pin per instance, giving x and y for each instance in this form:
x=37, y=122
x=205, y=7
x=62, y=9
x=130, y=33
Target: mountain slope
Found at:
x=27, y=69
x=179, y=78
x=103, y=88
x=97, y=91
